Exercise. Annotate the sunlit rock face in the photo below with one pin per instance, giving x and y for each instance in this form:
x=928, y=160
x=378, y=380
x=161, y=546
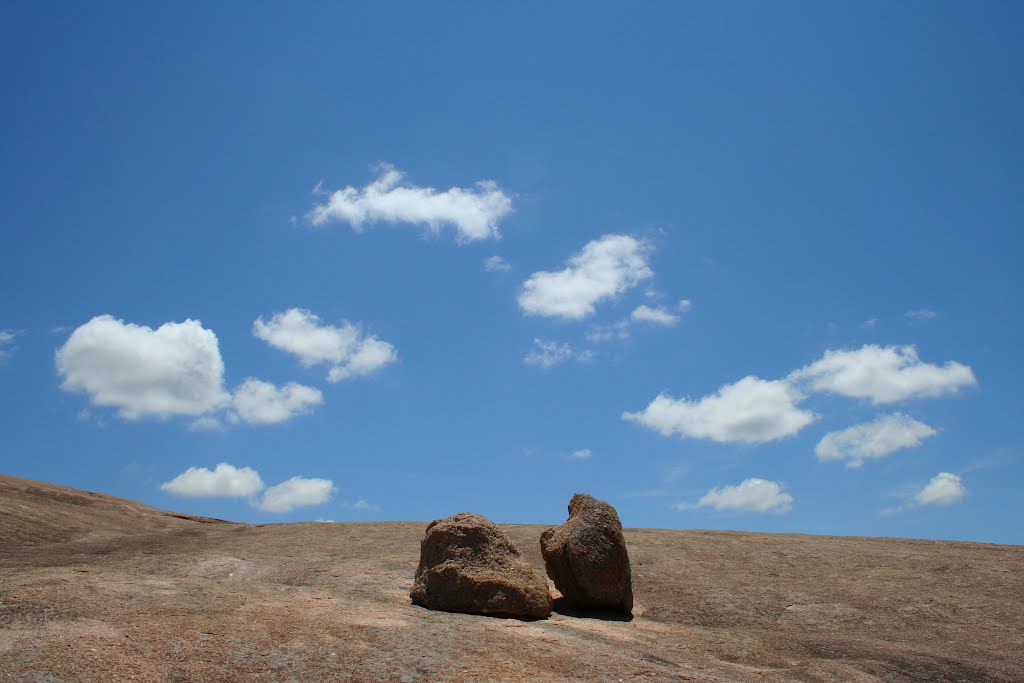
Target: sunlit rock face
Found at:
x=586, y=557
x=468, y=564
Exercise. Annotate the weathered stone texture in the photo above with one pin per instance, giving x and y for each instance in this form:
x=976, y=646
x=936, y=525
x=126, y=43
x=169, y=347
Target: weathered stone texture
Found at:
x=467, y=564
x=586, y=557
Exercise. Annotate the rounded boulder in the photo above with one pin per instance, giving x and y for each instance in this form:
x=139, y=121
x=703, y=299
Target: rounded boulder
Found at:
x=586, y=557
x=467, y=564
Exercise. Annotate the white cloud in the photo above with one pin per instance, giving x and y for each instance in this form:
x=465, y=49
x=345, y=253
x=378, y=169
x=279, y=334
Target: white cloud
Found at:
x=870, y=324
x=345, y=349
x=294, y=493
x=474, y=213
x=751, y=495
x=920, y=315
x=496, y=264
x=883, y=374
x=299, y=332
x=6, y=346
x=656, y=316
x=943, y=489
x=582, y=454
x=604, y=268
x=752, y=410
x=370, y=355
x=612, y=332
x=620, y=331
x=547, y=353
x=227, y=481
x=224, y=481
x=258, y=402
x=876, y=439
x=362, y=506
x=175, y=369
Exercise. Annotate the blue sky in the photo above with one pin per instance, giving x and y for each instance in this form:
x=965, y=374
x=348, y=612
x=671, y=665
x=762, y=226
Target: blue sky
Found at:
x=750, y=267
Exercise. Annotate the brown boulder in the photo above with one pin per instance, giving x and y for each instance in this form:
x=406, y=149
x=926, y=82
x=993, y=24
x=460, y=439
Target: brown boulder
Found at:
x=586, y=557
x=468, y=564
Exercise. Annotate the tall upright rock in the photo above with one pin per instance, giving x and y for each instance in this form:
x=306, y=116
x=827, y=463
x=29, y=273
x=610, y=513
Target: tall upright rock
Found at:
x=468, y=564
x=586, y=557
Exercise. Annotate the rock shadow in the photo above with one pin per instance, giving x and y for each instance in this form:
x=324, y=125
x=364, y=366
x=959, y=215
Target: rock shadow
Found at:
x=561, y=606
x=489, y=615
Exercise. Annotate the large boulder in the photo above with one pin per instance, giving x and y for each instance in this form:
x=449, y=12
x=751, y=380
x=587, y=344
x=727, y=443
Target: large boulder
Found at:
x=586, y=557
x=468, y=564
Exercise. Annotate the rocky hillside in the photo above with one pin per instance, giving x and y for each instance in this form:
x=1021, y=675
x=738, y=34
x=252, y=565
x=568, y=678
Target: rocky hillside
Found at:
x=93, y=588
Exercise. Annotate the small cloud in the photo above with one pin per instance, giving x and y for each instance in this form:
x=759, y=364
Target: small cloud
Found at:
x=654, y=315
x=371, y=355
x=224, y=481
x=643, y=314
x=7, y=344
x=295, y=493
x=174, y=370
x=751, y=410
x=362, y=506
x=751, y=495
x=228, y=481
x=918, y=315
x=582, y=454
x=869, y=324
x=603, y=269
x=876, y=439
x=474, y=213
x=882, y=374
x=943, y=489
x=496, y=264
x=547, y=354
x=258, y=402
x=345, y=349
x=612, y=332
